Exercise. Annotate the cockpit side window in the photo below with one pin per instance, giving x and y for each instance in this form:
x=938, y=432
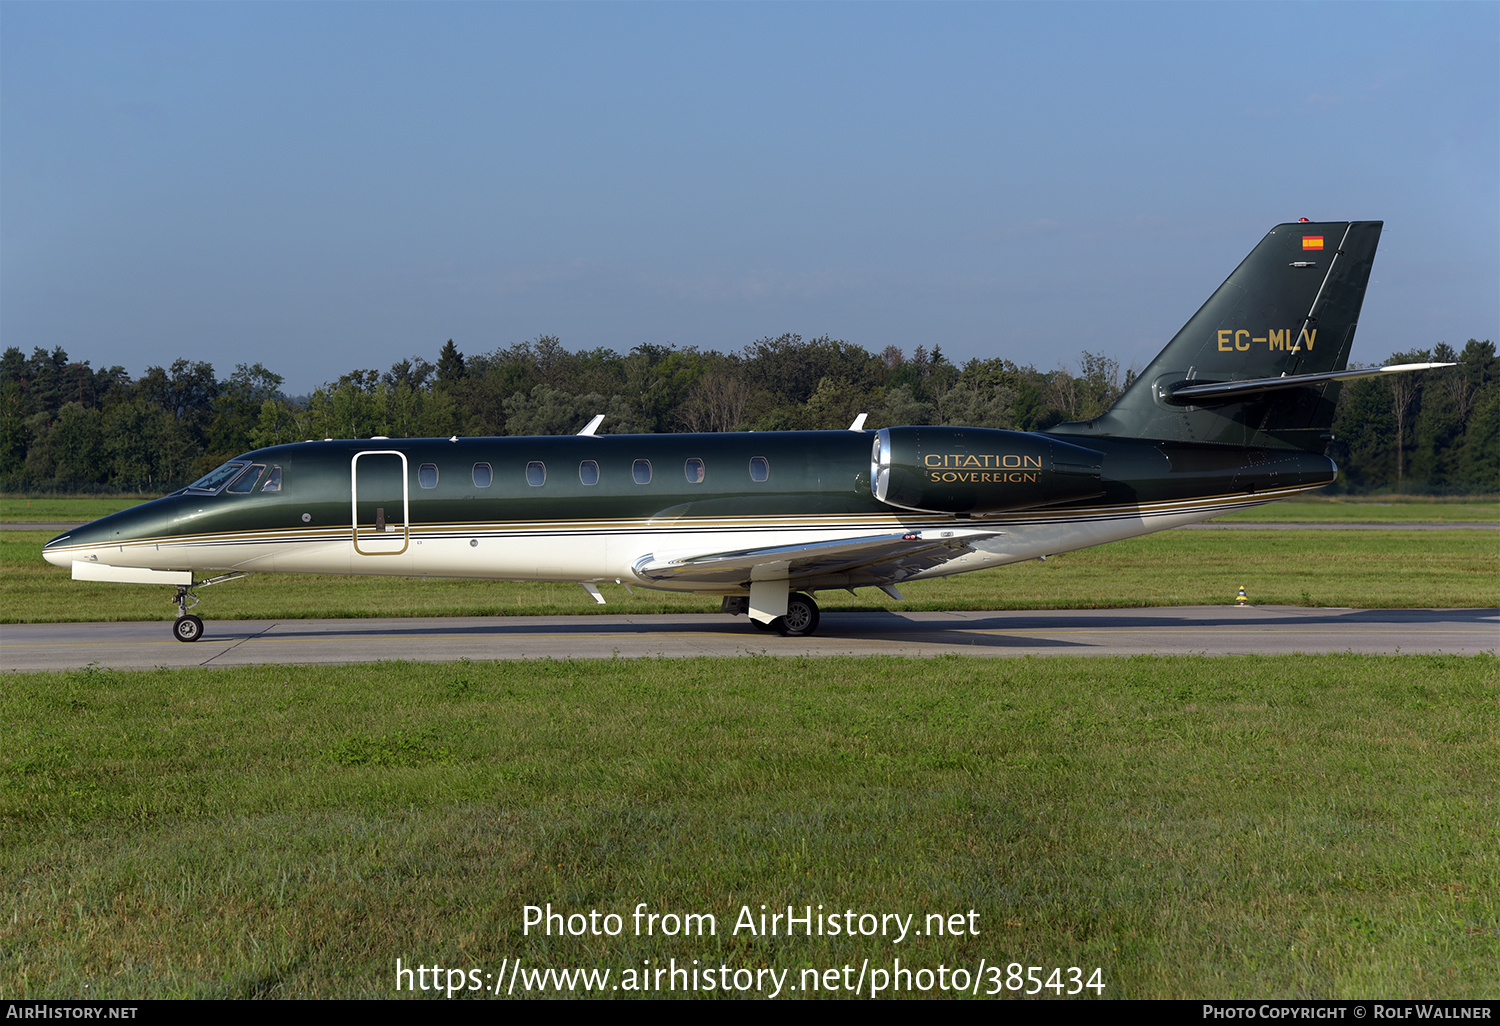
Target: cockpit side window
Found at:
x=211, y=482
x=245, y=483
x=273, y=481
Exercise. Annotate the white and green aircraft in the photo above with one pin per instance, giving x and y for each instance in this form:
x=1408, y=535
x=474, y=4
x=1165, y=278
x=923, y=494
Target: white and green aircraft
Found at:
x=1234, y=412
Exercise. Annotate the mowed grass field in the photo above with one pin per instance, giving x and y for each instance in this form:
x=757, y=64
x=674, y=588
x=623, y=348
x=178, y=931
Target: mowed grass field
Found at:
x=1380, y=509
x=1367, y=568
x=1299, y=827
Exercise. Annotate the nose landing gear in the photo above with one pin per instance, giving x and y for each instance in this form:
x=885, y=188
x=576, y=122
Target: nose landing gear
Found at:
x=188, y=627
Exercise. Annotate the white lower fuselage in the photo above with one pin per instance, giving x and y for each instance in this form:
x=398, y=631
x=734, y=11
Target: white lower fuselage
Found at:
x=609, y=551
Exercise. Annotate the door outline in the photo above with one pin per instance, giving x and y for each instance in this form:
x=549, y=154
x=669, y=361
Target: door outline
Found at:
x=371, y=535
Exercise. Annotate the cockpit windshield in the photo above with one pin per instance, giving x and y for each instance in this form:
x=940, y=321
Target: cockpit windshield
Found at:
x=245, y=483
x=210, y=483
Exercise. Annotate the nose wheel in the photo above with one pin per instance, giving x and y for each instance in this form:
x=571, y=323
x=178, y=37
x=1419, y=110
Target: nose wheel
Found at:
x=187, y=628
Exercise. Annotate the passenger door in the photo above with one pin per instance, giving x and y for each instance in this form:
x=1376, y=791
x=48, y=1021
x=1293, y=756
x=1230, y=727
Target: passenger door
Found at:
x=381, y=497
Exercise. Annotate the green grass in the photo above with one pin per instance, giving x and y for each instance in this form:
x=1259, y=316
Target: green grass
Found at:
x=1299, y=827
x=1387, y=509
x=50, y=508
x=1236, y=827
x=1366, y=569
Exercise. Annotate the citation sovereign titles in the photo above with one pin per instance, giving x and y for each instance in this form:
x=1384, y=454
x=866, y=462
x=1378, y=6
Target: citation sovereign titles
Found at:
x=794, y=922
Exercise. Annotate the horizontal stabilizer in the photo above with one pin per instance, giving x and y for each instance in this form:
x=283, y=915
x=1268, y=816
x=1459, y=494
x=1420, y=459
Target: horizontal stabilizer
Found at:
x=1197, y=394
x=1258, y=365
x=84, y=570
x=908, y=554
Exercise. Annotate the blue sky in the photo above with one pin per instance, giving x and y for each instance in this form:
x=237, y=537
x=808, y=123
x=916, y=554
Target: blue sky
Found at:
x=320, y=187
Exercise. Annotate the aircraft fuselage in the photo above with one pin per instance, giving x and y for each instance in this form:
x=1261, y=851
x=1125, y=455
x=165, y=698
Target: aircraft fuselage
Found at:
x=592, y=508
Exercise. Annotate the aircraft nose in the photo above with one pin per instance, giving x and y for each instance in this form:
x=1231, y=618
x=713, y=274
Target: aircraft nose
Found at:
x=87, y=539
x=59, y=551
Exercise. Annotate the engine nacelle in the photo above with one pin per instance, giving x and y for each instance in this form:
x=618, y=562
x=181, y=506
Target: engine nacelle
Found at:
x=979, y=470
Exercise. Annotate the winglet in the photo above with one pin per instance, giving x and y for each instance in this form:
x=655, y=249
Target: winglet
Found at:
x=859, y=422
x=593, y=425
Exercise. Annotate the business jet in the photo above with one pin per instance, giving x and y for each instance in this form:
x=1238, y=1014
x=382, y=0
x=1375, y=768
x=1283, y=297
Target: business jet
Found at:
x=1234, y=412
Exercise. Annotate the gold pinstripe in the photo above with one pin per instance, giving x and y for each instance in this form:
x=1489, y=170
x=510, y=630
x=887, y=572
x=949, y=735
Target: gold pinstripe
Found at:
x=645, y=526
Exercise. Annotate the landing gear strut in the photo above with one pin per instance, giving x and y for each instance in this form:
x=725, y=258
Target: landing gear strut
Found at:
x=188, y=627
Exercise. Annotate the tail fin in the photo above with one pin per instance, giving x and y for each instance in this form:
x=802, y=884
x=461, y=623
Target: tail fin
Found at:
x=1287, y=312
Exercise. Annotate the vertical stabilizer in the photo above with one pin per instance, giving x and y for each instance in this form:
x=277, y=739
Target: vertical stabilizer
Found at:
x=1289, y=309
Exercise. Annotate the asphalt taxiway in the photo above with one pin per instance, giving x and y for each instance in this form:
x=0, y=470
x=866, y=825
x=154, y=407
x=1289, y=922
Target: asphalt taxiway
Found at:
x=57, y=527
x=1195, y=630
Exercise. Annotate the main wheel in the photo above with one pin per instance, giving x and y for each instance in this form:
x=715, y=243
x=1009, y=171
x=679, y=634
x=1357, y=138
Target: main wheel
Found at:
x=801, y=618
x=770, y=626
x=187, y=628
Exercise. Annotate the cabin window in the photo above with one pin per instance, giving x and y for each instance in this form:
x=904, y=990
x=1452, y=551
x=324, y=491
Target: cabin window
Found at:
x=588, y=472
x=484, y=475
x=273, y=481
x=427, y=475
x=760, y=468
x=642, y=471
x=214, y=480
x=245, y=483
x=536, y=474
x=693, y=469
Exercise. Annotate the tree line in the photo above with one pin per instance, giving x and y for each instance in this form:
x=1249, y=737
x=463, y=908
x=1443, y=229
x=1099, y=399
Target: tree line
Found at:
x=65, y=426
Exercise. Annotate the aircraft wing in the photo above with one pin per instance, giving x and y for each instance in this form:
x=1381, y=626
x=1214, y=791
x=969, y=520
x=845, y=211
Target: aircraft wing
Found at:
x=886, y=557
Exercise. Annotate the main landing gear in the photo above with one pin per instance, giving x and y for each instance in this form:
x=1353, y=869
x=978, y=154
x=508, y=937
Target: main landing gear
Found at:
x=188, y=627
x=800, y=621
x=801, y=618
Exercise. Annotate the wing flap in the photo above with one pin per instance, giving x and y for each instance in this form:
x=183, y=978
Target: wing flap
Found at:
x=887, y=556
